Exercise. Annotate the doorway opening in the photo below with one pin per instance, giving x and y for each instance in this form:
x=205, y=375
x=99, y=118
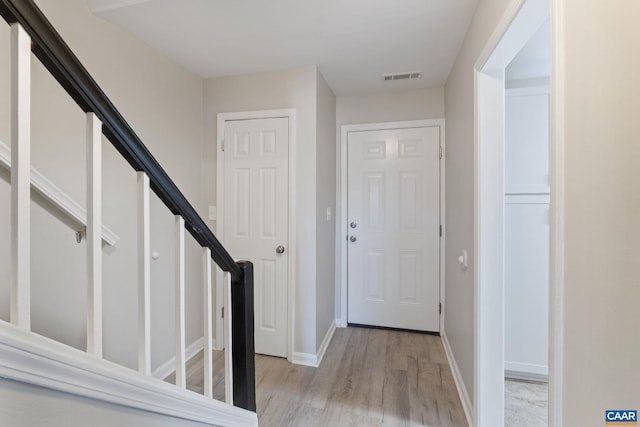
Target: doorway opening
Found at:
x=526, y=228
x=495, y=244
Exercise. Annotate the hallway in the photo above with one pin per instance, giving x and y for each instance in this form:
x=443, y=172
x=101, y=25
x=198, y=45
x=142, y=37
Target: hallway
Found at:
x=369, y=377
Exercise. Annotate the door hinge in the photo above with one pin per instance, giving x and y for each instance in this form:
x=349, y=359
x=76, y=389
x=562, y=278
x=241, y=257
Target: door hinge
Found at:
x=441, y=151
x=222, y=146
x=440, y=230
x=222, y=313
x=440, y=308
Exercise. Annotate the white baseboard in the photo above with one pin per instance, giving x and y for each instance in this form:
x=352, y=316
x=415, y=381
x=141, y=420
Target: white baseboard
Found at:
x=526, y=371
x=169, y=367
x=306, y=359
x=30, y=358
x=341, y=323
x=528, y=368
x=325, y=342
x=457, y=378
x=314, y=360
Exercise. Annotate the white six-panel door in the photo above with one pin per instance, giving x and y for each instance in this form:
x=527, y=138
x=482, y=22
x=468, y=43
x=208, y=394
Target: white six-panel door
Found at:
x=256, y=220
x=394, y=228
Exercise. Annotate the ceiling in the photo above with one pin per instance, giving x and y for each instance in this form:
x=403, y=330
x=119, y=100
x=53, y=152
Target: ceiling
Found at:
x=534, y=60
x=353, y=42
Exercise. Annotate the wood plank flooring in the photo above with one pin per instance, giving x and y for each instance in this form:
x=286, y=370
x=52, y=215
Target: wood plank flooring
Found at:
x=369, y=377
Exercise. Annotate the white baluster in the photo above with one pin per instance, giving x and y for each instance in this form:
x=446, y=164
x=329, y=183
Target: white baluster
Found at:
x=228, y=343
x=208, y=327
x=20, y=177
x=94, y=235
x=181, y=380
x=144, y=276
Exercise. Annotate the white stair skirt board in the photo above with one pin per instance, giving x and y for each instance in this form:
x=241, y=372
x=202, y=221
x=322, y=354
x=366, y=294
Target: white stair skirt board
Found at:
x=34, y=359
x=169, y=367
x=457, y=378
x=314, y=360
x=57, y=197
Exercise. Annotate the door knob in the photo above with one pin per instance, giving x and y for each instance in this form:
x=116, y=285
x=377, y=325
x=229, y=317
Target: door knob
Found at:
x=353, y=224
x=280, y=249
x=353, y=238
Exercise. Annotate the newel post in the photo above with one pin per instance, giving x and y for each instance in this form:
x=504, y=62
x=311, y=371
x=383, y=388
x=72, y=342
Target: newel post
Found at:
x=243, y=348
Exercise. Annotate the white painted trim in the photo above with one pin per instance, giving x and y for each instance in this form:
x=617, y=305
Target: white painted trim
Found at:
x=144, y=274
x=169, y=367
x=290, y=114
x=305, y=359
x=314, y=360
x=326, y=341
x=341, y=149
x=527, y=199
x=207, y=300
x=556, y=215
x=34, y=359
x=443, y=221
x=488, y=400
x=525, y=376
x=516, y=368
x=57, y=197
x=179, y=304
x=228, y=342
x=457, y=378
x=94, y=240
x=525, y=83
x=20, y=208
x=520, y=21
x=527, y=91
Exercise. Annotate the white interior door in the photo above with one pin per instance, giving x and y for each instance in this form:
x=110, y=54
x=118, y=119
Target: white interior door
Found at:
x=394, y=228
x=255, y=219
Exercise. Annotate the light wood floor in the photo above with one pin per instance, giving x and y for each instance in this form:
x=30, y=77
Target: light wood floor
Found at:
x=368, y=377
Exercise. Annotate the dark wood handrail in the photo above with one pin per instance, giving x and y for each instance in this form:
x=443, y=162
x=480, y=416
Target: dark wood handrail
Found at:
x=57, y=57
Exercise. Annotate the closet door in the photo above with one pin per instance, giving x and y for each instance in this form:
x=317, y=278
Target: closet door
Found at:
x=527, y=232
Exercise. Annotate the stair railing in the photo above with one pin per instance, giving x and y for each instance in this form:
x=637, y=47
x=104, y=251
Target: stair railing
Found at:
x=31, y=32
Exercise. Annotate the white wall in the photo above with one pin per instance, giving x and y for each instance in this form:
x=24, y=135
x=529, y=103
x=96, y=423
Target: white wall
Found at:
x=459, y=105
x=390, y=106
x=293, y=88
x=163, y=103
x=325, y=198
x=599, y=129
x=55, y=409
x=599, y=64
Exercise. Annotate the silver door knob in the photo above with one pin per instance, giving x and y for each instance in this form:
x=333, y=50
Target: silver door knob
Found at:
x=280, y=249
x=353, y=238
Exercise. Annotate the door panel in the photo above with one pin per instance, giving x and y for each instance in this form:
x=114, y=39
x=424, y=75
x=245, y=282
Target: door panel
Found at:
x=394, y=228
x=256, y=219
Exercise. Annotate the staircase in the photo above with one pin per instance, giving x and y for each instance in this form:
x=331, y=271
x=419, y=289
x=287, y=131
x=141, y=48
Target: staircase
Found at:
x=39, y=361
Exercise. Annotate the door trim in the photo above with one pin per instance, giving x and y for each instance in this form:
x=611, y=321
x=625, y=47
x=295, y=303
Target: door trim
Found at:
x=341, y=203
x=290, y=114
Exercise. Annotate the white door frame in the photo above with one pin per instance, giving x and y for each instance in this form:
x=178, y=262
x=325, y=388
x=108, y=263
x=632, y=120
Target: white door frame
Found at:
x=520, y=21
x=290, y=114
x=341, y=202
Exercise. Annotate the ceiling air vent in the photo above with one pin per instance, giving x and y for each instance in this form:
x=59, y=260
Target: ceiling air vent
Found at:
x=402, y=76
